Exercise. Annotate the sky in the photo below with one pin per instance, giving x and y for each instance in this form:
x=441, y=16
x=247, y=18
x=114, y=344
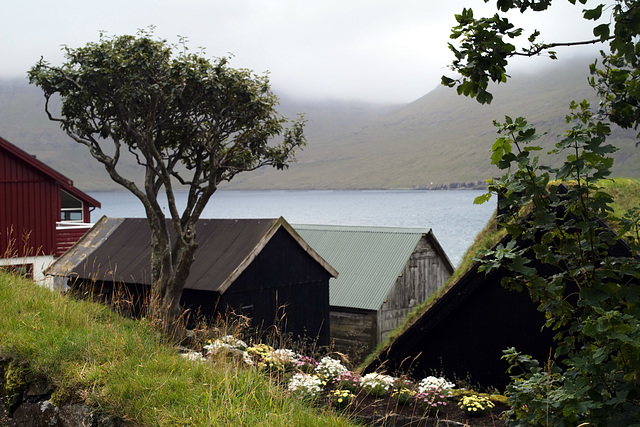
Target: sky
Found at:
x=380, y=51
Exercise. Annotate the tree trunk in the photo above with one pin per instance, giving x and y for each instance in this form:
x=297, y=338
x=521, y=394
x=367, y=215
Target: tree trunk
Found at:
x=170, y=268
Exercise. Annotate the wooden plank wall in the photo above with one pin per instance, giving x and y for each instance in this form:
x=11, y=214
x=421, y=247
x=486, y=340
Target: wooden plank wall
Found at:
x=424, y=273
x=67, y=237
x=29, y=209
x=353, y=332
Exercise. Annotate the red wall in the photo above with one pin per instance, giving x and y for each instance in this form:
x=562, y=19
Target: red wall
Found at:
x=29, y=208
x=67, y=237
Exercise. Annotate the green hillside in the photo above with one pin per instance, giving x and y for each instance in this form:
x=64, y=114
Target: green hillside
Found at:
x=123, y=368
x=438, y=139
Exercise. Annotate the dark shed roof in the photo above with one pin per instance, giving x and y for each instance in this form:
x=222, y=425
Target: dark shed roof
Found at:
x=118, y=249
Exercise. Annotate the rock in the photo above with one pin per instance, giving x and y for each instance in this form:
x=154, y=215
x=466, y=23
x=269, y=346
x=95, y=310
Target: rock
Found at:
x=46, y=414
x=36, y=414
x=29, y=406
x=38, y=391
x=77, y=415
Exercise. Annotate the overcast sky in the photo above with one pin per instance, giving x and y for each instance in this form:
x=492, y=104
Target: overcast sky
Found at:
x=374, y=50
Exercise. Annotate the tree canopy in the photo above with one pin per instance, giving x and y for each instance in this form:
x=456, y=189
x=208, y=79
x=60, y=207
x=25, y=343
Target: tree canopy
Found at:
x=187, y=120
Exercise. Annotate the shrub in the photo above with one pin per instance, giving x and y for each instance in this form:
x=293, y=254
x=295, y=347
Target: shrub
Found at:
x=404, y=396
x=341, y=398
x=305, y=364
x=347, y=381
x=437, y=383
x=431, y=400
x=228, y=346
x=329, y=368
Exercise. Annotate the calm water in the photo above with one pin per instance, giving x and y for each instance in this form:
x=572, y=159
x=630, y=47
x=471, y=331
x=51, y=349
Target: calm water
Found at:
x=452, y=216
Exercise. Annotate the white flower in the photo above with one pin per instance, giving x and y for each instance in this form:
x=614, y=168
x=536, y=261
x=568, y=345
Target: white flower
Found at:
x=434, y=383
x=228, y=342
x=246, y=358
x=193, y=356
x=374, y=380
x=329, y=368
x=284, y=355
x=305, y=385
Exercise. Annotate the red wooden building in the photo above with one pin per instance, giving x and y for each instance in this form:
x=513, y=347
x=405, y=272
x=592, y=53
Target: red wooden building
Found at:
x=41, y=213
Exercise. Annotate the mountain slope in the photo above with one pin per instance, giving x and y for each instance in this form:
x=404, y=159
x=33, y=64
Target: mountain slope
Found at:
x=438, y=139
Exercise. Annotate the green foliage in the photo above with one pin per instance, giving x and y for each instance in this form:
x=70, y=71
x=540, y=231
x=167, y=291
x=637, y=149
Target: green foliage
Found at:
x=565, y=247
x=14, y=379
x=618, y=85
x=482, y=55
x=590, y=295
x=63, y=395
x=534, y=397
x=485, y=48
x=169, y=109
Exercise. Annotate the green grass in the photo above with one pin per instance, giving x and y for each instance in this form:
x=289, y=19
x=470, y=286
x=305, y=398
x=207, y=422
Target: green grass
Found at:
x=625, y=193
x=125, y=368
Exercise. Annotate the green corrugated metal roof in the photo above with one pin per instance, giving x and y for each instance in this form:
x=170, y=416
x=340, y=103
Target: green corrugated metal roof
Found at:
x=368, y=260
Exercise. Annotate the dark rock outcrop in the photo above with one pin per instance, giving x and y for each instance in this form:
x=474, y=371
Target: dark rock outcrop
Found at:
x=25, y=401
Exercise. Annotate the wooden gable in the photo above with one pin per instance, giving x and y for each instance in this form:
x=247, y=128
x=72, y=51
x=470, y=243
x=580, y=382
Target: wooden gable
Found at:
x=30, y=203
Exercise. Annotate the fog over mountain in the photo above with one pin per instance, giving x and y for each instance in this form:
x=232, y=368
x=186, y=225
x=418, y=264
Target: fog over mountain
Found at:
x=439, y=139
x=384, y=51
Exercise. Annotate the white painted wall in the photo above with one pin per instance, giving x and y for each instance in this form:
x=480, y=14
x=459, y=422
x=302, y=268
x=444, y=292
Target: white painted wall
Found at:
x=40, y=264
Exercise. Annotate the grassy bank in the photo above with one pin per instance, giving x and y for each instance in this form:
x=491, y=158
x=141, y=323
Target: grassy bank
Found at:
x=125, y=368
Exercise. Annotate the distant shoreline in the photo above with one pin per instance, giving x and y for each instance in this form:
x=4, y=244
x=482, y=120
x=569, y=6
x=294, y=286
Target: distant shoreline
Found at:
x=470, y=185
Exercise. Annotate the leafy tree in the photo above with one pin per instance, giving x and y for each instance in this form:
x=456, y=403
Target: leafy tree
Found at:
x=188, y=121
x=591, y=295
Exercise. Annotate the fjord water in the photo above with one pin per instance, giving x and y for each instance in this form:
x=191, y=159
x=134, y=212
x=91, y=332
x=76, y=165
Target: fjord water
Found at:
x=452, y=216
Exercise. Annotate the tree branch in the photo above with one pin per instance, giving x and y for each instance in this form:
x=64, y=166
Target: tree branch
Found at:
x=537, y=49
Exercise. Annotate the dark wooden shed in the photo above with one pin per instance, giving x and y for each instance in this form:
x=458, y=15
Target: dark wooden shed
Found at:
x=462, y=335
x=385, y=272
x=260, y=268
x=41, y=212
